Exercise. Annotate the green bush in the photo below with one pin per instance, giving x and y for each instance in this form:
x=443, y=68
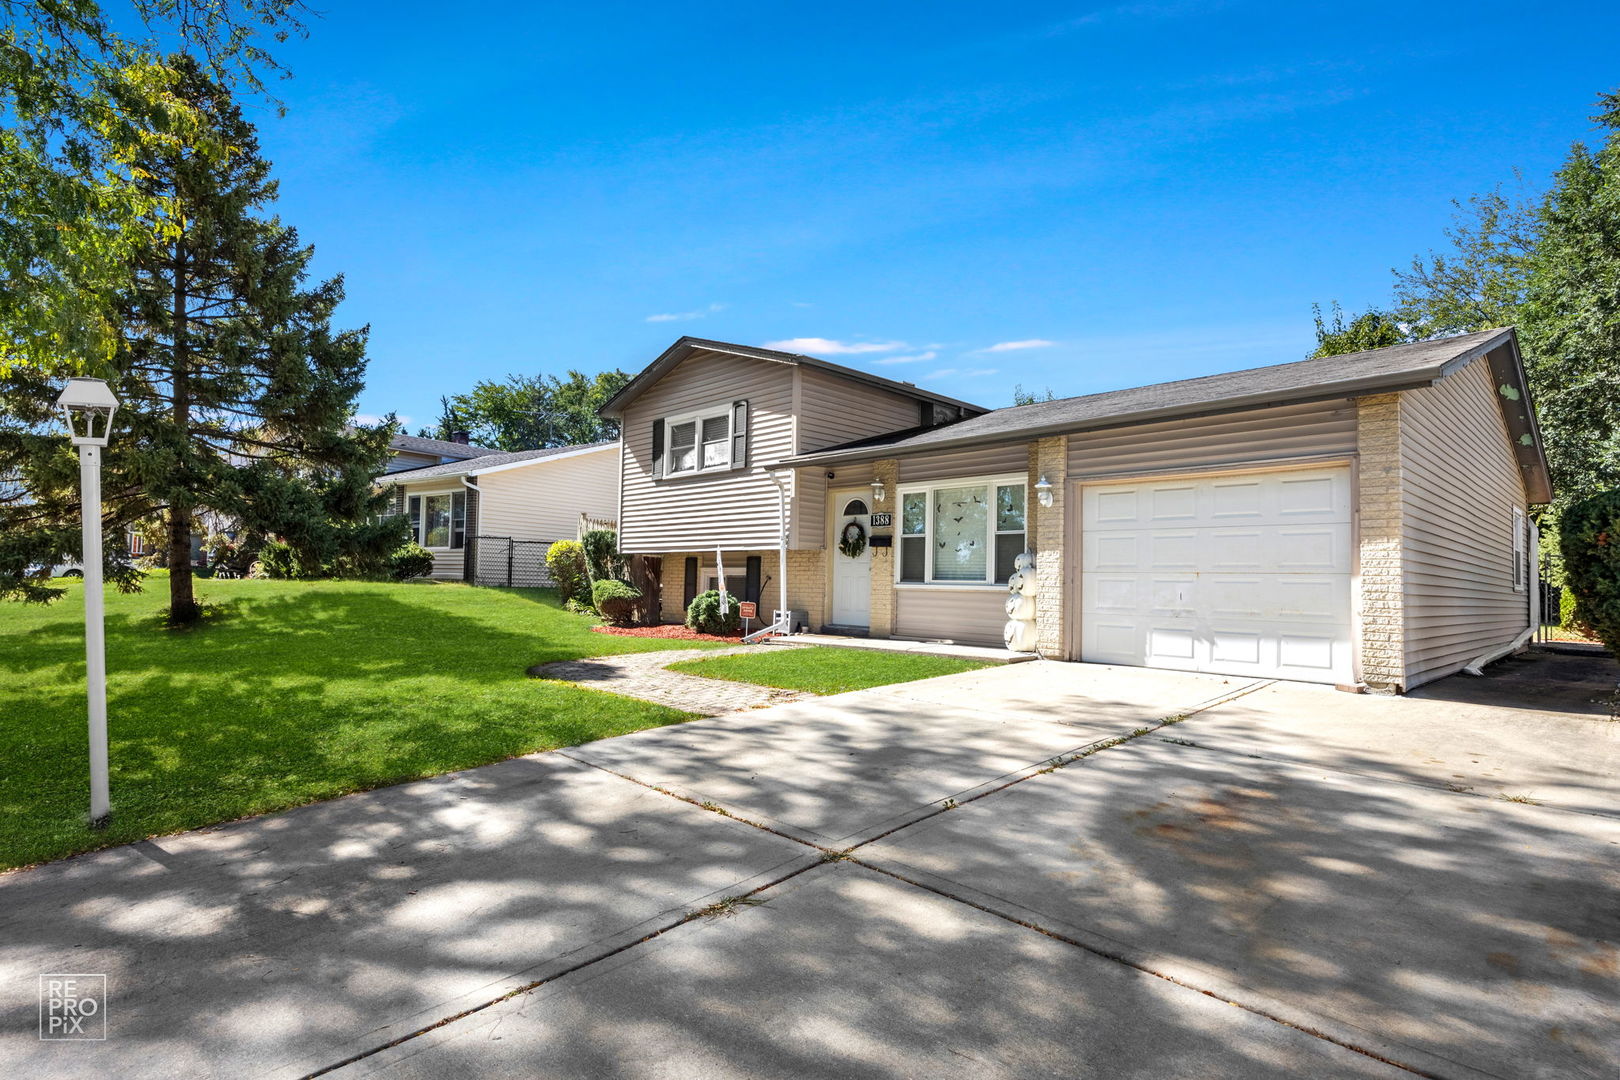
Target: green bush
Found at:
x=616, y=600
x=1589, y=536
x=566, y=561
x=276, y=560
x=703, y=615
x=410, y=560
x=602, y=559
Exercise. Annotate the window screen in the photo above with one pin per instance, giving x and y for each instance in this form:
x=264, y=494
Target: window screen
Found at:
x=683, y=447
x=913, y=541
x=1010, y=534
x=716, y=441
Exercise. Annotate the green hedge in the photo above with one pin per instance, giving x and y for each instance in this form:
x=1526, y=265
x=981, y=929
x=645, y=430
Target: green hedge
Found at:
x=703, y=615
x=1589, y=536
x=616, y=600
x=566, y=561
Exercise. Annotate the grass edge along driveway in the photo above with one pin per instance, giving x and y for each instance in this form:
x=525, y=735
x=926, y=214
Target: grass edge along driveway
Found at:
x=290, y=692
x=820, y=669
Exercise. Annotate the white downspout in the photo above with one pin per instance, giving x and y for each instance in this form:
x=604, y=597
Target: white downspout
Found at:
x=1532, y=585
x=782, y=549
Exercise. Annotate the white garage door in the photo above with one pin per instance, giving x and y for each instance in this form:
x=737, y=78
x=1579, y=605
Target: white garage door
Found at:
x=1245, y=574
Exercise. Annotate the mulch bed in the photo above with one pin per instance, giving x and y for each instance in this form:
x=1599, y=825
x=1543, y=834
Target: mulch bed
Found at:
x=673, y=631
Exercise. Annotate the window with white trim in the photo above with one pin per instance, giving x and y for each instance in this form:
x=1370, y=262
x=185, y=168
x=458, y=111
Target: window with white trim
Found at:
x=438, y=521
x=962, y=532
x=699, y=442
x=1521, y=558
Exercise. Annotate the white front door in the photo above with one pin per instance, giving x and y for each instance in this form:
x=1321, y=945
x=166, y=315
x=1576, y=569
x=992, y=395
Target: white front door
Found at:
x=851, y=575
x=1241, y=574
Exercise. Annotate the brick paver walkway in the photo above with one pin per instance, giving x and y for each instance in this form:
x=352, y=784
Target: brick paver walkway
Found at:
x=643, y=675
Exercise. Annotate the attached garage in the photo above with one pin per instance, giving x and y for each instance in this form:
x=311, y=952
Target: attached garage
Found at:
x=1245, y=573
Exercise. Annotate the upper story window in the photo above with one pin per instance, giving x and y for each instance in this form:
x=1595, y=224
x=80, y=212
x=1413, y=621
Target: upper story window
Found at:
x=962, y=532
x=710, y=440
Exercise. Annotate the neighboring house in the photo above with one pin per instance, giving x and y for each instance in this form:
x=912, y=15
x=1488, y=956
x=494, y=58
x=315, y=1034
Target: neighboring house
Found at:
x=1350, y=519
x=490, y=517
x=416, y=452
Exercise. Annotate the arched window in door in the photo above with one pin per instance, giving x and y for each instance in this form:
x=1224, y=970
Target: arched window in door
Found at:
x=854, y=507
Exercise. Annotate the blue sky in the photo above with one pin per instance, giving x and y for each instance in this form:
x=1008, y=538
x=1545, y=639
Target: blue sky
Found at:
x=963, y=195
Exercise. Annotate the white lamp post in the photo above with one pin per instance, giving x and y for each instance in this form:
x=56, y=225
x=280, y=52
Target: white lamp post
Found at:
x=88, y=406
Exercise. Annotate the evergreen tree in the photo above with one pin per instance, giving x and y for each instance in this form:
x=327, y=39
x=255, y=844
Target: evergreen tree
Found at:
x=236, y=393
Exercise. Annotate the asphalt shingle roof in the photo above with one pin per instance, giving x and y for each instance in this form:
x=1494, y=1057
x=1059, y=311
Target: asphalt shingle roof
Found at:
x=490, y=460
x=415, y=444
x=1396, y=367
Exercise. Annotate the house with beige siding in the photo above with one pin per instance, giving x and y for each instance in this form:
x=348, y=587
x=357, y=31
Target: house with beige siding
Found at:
x=488, y=518
x=1360, y=520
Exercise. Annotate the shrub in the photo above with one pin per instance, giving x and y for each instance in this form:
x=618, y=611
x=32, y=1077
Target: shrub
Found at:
x=602, y=559
x=703, y=615
x=1589, y=535
x=616, y=600
x=276, y=560
x=410, y=560
x=566, y=561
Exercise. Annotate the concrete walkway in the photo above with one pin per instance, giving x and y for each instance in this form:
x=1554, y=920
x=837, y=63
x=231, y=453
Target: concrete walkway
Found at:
x=1030, y=871
x=644, y=676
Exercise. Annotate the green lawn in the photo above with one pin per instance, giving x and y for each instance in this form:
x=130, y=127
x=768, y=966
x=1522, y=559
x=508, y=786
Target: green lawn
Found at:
x=288, y=693
x=823, y=670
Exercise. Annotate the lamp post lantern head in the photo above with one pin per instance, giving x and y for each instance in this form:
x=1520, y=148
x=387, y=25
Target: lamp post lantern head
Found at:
x=88, y=406
x=878, y=491
x=1043, y=490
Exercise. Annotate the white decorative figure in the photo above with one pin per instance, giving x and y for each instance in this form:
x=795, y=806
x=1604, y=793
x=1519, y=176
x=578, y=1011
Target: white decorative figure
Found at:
x=1019, y=632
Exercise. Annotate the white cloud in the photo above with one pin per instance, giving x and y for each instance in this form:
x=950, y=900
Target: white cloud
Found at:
x=683, y=316
x=820, y=346
x=372, y=420
x=981, y=372
x=912, y=359
x=942, y=373
x=1014, y=346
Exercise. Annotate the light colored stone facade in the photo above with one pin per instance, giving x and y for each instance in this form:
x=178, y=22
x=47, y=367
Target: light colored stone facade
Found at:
x=1381, y=608
x=1050, y=458
x=884, y=596
x=807, y=577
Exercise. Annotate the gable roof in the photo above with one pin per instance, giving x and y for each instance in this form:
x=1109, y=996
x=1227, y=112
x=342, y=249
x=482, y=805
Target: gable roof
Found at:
x=491, y=461
x=687, y=346
x=416, y=444
x=1374, y=371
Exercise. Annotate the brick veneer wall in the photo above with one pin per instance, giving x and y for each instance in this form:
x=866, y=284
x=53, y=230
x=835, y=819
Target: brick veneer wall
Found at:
x=884, y=597
x=1382, y=614
x=1050, y=457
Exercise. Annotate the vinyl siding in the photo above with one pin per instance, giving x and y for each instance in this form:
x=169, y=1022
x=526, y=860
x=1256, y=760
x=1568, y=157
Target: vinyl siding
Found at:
x=968, y=616
x=543, y=501
x=973, y=461
x=736, y=510
x=404, y=459
x=834, y=410
x=1257, y=435
x=1460, y=483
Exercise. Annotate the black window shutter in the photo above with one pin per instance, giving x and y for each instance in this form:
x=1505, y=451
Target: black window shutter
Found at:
x=658, y=449
x=739, y=434
x=690, y=592
x=751, y=588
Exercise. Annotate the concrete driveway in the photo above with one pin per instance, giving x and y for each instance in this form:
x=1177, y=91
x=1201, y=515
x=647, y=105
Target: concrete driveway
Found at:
x=967, y=876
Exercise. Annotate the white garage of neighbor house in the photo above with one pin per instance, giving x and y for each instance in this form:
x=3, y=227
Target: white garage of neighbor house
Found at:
x=489, y=519
x=1357, y=519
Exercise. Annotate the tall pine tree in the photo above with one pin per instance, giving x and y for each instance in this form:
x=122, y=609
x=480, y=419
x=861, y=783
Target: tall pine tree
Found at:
x=236, y=392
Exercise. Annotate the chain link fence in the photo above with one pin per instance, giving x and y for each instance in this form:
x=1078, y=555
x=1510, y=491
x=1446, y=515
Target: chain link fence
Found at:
x=508, y=561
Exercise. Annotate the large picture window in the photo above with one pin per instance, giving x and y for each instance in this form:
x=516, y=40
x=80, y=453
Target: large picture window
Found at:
x=438, y=521
x=962, y=532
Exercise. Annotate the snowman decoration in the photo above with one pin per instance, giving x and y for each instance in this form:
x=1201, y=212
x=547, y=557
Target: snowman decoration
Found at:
x=1019, y=633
